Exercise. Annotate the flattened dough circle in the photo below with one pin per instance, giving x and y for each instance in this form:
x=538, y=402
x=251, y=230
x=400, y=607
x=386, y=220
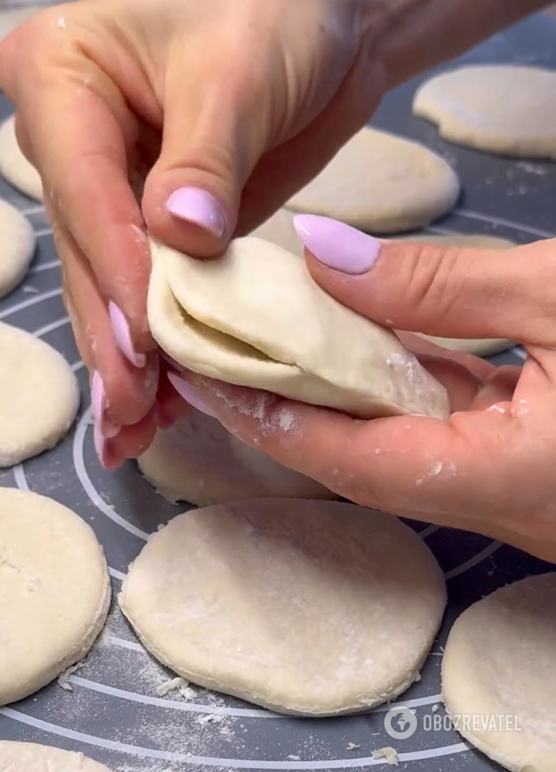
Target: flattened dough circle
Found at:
x=54, y=591
x=256, y=318
x=482, y=347
x=381, y=183
x=499, y=661
x=39, y=396
x=17, y=247
x=30, y=757
x=306, y=607
x=14, y=167
x=199, y=462
x=501, y=108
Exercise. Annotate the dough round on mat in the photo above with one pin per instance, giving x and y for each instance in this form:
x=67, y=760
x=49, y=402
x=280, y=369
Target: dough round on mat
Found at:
x=256, y=318
x=482, y=347
x=199, y=462
x=502, y=108
x=306, y=607
x=381, y=183
x=39, y=396
x=14, y=167
x=499, y=661
x=54, y=591
x=17, y=247
x=29, y=757
x=279, y=229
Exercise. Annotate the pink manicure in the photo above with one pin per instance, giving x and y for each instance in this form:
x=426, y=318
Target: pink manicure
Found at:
x=105, y=426
x=120, y=328
x=337, y=245
x=190, y=394
x=198, y=207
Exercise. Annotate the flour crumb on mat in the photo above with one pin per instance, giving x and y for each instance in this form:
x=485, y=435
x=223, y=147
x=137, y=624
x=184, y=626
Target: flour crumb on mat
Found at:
x=435, y=708
x=389, y=755
x=291, y=757
x=30, y=290
x=171, y=685
x=352, y=747
x=63, y=678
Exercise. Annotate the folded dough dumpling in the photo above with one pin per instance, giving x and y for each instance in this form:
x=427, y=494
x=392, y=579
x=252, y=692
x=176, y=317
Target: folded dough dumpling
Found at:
x=256, y=318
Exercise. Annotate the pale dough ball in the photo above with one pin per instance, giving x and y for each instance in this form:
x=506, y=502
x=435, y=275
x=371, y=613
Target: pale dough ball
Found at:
x=39, y=396
x=14, y=167
x=198, y=461
x=279, y=229
x=499, y=661
x=17, y=247
x=256, y=318
x=502, y=108
x=482, y=347
x=29, y=757
x=14, y=17
x=54, y=591
x=306, y=607
x=381, y=183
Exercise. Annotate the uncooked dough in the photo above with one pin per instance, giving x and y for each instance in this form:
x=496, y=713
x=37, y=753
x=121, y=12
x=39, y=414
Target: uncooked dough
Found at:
x=39, y=396
x=482, y=347
x=499, y=661
x=381, y=183
x=256, y=318
x=199, y=462
x=54, y=591
x=502, y=108
x=17, y=247
x=14, y=17
x=306, y=607
x=279, y=229
x=29, y=757
x=14, y=167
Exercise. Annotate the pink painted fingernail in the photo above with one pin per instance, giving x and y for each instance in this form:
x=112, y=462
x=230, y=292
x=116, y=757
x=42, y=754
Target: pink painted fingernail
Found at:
x=198, y=207
x=190, y=394
x=120, y=328
x=106, y=428
x=172, y=362
x=337, y=245
x=102, y=447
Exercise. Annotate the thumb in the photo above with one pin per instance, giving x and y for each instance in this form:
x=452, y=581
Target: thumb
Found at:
x=438, y=290
x=213, y=137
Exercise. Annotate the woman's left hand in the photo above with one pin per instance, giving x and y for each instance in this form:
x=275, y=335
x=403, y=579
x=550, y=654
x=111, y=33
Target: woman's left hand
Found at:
x=490, y=468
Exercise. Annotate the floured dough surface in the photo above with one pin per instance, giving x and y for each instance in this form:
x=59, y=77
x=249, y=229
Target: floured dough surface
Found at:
x=482, y=347
x=504, y=109
x=30, y=757
x=381, y=183
x=256, y=318
x=39, y=396
x=307, y=607
x=279, y=229
x=199, y=462
x=12, y=18
x=54, y=591
x=499, y=661
x=17, y=247
x=14, y=167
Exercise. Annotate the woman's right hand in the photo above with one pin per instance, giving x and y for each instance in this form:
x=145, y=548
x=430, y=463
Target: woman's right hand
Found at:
x=192, y=121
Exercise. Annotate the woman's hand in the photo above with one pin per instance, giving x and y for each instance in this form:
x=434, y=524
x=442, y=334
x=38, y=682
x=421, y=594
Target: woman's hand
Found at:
x=192, y=120
x=491, y=468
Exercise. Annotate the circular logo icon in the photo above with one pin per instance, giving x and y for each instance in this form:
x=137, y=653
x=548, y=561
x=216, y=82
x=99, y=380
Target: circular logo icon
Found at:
x=400, y=723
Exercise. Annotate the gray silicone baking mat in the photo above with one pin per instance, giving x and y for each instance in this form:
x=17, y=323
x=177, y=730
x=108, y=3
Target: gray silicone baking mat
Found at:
x=113, y=713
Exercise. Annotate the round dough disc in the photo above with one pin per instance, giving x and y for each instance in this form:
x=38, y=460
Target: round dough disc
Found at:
x=306, y=607
x=17, y=247
x=54, y=591
x=505, y=109
x=14, y=167
x=381, y=183
x=29, y=757
x=481, y=347
x=199, y=462
x=39, y=396
x=499, y=661
x=279, y=229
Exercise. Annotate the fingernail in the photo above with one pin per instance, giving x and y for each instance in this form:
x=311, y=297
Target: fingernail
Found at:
x=198, y=207
x=162, y=418
x=190, y=394
x=106, y=427
x=337, y=245
x=102, y=447
x=172, y=362
x=120, y=328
